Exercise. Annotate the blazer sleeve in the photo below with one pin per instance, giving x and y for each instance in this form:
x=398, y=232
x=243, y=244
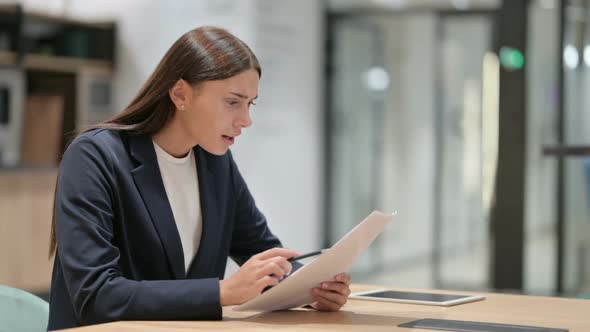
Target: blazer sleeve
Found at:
x=251, y=234
x=84, y=227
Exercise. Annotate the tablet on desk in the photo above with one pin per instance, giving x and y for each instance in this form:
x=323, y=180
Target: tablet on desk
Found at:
x=415, y=297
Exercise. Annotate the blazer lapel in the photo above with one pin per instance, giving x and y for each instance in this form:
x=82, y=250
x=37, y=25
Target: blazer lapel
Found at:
x=151, y=187
x=205, y=261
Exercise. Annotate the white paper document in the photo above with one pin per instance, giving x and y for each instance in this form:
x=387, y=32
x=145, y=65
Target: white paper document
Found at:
x=295, y=290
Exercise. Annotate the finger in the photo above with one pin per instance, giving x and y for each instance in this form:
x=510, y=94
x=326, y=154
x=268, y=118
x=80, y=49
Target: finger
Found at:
x=343, y=277
x=338, y=287
x=283, y=252
x=325, y=304
x=330, y=296
x=271, y=268
x=265, y=282
x=283, y=263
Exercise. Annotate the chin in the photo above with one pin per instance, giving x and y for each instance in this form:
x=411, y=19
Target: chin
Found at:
x=218, y=151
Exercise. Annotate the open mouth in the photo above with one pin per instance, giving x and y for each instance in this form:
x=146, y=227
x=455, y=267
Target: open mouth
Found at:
x=228, y=139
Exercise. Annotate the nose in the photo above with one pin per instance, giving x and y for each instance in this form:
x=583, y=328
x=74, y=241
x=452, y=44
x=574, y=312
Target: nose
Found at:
x=243, y=120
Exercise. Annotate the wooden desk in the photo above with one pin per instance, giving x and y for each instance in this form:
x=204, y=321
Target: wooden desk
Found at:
x=368, y=316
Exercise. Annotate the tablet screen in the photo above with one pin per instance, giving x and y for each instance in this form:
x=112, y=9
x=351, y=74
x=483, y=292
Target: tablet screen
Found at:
x=429, y=297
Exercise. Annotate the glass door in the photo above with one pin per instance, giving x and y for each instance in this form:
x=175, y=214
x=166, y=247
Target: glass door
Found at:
x=466, y=146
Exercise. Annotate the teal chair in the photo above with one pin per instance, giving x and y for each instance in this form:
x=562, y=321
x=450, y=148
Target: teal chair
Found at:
x=21, y=311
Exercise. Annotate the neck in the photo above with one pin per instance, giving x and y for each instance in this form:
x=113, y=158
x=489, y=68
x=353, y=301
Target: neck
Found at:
x=172, y=139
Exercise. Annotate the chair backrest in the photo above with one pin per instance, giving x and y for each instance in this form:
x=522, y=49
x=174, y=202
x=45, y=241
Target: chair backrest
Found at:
x=21, y=311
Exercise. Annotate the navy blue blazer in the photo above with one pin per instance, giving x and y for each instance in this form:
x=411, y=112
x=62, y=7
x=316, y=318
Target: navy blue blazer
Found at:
x=119, y=255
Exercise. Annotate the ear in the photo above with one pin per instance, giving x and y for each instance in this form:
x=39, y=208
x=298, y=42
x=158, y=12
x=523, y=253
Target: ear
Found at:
x=179, y=94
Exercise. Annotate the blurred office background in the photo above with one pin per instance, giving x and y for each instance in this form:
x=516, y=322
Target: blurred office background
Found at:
x=470, y=118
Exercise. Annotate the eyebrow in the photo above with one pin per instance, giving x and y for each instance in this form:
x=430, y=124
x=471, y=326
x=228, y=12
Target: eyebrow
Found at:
x=242, y=96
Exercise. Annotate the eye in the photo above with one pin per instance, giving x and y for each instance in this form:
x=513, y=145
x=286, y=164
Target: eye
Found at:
x=233, y=102
x=251, y=103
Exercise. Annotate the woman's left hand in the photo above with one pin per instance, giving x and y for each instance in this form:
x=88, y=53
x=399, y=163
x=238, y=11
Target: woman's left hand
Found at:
x=332, y=295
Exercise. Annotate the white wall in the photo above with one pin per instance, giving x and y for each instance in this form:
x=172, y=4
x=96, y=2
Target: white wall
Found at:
x=280, y=155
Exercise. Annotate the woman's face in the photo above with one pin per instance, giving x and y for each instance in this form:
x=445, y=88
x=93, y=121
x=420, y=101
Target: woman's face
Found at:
x=217, y=111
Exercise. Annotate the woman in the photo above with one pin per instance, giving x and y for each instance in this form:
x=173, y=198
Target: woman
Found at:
x=150, y=203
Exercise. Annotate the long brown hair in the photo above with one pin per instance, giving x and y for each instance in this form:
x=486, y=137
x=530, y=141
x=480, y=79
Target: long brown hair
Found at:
x=202, y=54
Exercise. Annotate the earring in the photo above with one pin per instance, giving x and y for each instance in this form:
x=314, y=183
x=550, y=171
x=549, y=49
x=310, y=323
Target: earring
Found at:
x=182, y=107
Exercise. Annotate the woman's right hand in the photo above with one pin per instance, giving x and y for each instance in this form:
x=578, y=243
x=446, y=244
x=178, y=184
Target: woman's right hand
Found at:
x=261, y=270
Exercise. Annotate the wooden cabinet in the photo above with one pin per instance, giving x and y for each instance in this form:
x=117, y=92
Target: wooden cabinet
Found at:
x=55, y=78
x=26, y=205
x=49, y=55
